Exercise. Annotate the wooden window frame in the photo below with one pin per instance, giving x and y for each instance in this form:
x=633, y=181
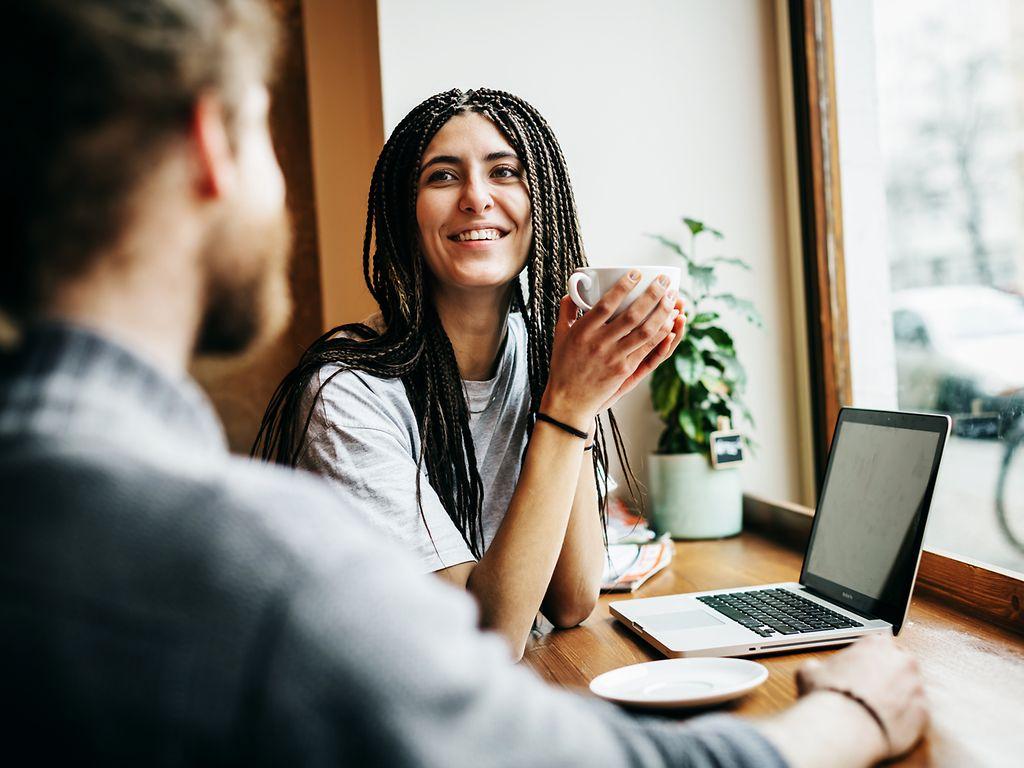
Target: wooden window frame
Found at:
x=805, y=26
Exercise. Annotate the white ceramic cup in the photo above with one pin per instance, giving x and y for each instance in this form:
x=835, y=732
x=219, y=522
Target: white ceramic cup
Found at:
x=588, y=284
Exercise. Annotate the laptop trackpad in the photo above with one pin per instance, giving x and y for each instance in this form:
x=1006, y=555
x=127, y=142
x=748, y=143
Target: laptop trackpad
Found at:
x=670, y=622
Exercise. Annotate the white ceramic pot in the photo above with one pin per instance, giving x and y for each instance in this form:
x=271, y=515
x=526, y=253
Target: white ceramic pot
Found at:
x=690, y=500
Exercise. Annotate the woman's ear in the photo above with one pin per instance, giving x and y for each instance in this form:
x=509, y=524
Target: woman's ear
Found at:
x=216, y=164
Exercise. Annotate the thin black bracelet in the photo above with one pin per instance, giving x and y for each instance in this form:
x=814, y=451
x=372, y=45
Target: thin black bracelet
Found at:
x=870, y=710
x=563, y=426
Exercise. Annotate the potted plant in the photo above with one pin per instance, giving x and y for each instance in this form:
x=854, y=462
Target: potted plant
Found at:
x=698, y=395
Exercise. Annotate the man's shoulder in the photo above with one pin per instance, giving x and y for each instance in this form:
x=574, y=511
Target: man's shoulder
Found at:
x=290, y=512
x=234, y=508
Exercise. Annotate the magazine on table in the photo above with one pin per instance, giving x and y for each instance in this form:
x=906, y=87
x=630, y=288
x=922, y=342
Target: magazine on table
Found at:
x=634, y=554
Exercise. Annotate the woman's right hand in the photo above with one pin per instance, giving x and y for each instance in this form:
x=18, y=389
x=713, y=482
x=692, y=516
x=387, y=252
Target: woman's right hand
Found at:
x=594, y=355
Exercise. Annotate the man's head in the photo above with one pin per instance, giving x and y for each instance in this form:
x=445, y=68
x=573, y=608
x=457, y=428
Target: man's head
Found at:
x=148, y=116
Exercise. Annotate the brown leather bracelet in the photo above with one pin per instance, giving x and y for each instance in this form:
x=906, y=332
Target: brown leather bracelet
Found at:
x=870, y=710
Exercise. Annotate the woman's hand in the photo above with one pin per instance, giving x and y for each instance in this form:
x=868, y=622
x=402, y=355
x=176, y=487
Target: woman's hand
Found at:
x=595, y=359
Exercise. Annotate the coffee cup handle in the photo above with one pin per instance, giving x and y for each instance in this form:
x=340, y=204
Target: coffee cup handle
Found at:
x=574, y=289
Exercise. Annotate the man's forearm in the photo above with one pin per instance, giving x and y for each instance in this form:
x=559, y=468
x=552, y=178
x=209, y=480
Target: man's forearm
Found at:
x=844, y=736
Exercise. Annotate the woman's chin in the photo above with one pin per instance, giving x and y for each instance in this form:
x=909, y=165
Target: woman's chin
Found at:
x=479, y=281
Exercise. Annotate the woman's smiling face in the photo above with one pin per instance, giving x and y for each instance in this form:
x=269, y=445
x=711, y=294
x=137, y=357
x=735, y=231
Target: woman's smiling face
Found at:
x=473, y=208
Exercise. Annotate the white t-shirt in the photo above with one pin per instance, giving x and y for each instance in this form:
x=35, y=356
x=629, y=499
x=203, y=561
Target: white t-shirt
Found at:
x=363, y=437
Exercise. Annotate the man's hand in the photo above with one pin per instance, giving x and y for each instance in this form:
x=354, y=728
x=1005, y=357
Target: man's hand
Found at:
x=885, y=677
x=833, y=730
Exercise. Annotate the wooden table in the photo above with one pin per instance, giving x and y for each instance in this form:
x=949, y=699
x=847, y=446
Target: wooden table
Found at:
x=974, y=672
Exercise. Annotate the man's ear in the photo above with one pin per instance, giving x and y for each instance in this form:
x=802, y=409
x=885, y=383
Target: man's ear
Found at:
x=216, y=160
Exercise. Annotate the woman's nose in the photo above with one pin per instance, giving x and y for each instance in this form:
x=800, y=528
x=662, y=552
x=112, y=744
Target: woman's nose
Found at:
x=476, y=197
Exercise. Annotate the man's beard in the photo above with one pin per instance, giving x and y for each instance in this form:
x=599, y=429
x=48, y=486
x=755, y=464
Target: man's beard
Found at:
x=247, y=297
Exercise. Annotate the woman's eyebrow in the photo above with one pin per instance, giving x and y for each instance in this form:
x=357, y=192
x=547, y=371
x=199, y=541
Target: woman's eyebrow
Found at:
x=452, y=159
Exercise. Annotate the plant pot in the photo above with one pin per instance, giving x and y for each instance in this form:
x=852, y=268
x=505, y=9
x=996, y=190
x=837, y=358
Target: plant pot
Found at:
x=690, y=500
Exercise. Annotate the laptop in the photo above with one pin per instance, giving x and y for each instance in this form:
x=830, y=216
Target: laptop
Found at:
x=861, y=559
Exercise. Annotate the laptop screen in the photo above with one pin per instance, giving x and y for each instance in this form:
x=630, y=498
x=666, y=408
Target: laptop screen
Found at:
x=869, y=524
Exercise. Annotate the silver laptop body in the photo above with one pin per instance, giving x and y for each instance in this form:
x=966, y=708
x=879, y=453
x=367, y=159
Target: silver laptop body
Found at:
x=859, y=566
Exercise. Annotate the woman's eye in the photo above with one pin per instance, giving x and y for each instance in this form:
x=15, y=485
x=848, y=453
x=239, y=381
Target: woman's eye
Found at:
x=506, y=172
x=441, y=175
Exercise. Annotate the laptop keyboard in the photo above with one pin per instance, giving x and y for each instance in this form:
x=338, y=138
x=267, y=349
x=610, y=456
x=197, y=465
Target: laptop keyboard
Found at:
x=776, y=611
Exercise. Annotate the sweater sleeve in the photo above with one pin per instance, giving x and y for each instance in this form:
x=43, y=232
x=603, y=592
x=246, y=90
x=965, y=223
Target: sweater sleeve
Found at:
x=370, y=663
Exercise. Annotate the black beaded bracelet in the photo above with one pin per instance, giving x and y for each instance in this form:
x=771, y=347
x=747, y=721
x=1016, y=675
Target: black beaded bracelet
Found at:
x=870, y=710
x=562, y=426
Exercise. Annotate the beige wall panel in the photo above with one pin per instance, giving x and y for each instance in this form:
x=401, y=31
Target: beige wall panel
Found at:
x=347, y=131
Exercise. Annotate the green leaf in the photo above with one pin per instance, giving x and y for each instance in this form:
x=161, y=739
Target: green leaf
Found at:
x=665, y=387
x=703, y=342
x=703, y=318
x=703, y=277
x=689, y=367
x=685, y=349
x=747, y=415
x=744, y=307
x=721, y=338
x=733, y=371
x=714, y=383
x=689, y=425
x=674, y=440
x=729, y=260
x=672, y=245
x=696, y=227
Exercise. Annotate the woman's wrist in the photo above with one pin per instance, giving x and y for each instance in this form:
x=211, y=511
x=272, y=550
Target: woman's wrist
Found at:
x=569, y=429
x=564, y=410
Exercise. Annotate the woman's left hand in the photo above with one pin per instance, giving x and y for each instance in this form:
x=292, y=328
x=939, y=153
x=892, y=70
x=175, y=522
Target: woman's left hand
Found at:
x=660, y=349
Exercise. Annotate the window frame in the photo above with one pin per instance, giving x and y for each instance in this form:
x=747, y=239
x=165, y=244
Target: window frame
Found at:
x=807, y=72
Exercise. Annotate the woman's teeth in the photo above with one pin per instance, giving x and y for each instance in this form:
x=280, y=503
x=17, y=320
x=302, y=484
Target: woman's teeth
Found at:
x=478, y=234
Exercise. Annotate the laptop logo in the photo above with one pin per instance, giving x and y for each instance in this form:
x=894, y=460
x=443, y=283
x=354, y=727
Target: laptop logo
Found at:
x=847, y=595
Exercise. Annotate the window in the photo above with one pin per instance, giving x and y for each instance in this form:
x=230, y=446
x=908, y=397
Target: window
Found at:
x=927, y=125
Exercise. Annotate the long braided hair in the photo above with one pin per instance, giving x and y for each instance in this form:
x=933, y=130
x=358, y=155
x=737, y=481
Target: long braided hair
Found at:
x=413, y=345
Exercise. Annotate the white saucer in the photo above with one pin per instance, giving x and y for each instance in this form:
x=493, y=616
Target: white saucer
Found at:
x=674, y=683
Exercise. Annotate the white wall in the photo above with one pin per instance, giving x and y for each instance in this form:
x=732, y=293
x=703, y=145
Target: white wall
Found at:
x=662, y=109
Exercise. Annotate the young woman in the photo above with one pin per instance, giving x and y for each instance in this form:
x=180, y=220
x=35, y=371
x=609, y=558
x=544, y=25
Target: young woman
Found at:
x=486, y=386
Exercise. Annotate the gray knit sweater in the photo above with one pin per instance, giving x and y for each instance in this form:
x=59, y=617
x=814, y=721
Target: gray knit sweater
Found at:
x=165, y=603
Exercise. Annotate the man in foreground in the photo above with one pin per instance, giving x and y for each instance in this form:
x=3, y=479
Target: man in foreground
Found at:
x=164, y=602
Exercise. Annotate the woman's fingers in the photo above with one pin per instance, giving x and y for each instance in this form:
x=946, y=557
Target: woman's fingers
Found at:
x=648, y=357
x=613, y=297
x=639, y=311
x=652, y=330
x=660, y=354
x=566, y=314
x=591, y=363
